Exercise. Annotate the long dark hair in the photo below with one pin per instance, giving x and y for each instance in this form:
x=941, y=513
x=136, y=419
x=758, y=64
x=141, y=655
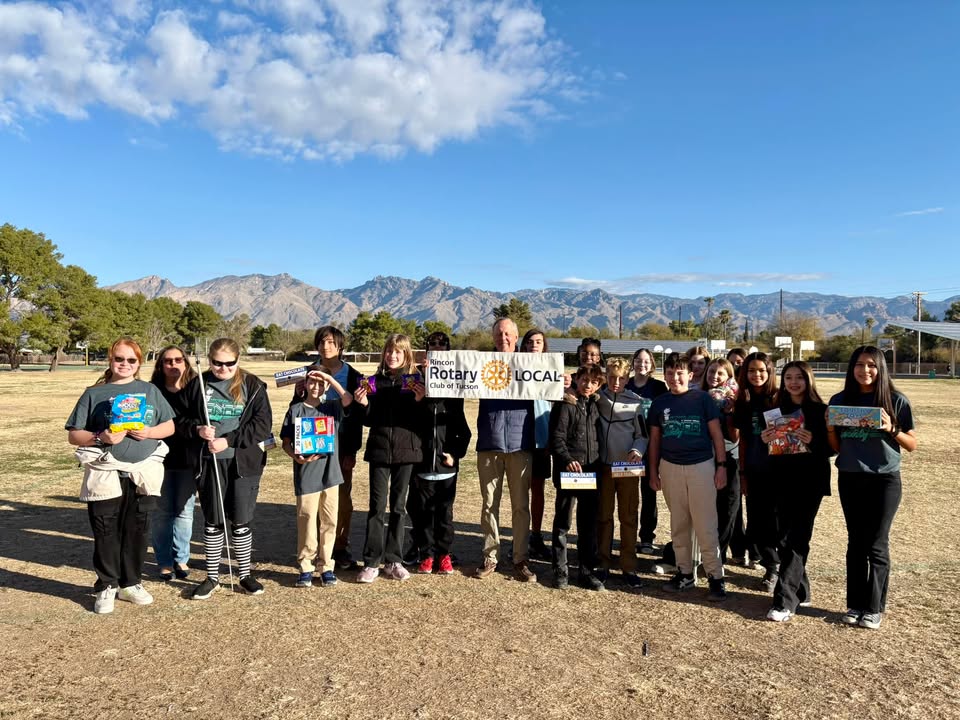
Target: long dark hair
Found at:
x=160, y=380
x=884, y=389
x=746, y=395
x=529, y=334
x=810, y=394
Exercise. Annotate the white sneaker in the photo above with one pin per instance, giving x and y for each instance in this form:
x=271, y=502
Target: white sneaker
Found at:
x=105, y=601
x=135, y=594
x=779, y=615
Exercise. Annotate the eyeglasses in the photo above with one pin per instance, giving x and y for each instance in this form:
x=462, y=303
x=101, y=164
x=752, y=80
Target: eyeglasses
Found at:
x=223, y=363
x=128, y=361
x=173, y=361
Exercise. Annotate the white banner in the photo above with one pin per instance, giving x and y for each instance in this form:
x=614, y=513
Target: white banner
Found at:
x=495, y=375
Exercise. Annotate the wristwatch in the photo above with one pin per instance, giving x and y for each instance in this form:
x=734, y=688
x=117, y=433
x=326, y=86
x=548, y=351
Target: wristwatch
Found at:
x=719, y=464
x=97, y=441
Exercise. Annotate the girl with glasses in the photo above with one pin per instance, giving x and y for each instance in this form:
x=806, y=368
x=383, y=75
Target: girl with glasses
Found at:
x=237, y=419
x=172, y=521
x=123, y=473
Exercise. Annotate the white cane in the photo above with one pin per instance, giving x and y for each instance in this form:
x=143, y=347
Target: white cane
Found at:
x=216, y=475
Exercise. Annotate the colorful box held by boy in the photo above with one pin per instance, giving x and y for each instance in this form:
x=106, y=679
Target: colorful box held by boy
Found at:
x=309, y=438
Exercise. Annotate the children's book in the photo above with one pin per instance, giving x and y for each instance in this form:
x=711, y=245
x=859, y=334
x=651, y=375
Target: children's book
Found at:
x=313, y=435
x=854, y=416
x=785, y=426
x=128, y=412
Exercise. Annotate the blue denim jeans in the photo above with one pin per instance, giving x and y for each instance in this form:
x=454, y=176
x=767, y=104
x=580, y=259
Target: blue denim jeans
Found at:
x=173, y=518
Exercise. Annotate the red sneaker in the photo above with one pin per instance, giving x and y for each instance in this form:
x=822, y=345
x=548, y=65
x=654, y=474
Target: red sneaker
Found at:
x=426, y=566
x=446, y=566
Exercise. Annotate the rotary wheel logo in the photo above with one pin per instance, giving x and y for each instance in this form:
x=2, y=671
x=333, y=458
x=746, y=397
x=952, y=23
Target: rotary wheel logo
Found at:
x=495, y=375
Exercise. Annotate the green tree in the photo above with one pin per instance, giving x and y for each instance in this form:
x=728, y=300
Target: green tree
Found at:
x=29, y=262
x=478, y=338
x=725, y=319
x=197, y=320
x=163, y=317
x=368, y=333
x=652, y=331
x=66, y=311
x=795, y=325
x=953, y=312
x=518, y=311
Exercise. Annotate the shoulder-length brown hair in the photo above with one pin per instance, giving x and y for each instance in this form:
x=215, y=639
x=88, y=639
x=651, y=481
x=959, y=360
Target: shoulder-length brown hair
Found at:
x=160, y=380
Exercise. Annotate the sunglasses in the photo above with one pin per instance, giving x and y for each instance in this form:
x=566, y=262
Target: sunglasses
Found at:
x=437, y=343
x=173, y=361
x=128, y=361
x=223, y=363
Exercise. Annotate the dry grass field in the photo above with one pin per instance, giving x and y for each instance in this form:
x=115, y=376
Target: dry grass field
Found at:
x=455, y=647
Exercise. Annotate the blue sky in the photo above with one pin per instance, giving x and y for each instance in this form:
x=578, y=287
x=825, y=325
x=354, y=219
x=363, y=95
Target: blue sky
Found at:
x=683, y=148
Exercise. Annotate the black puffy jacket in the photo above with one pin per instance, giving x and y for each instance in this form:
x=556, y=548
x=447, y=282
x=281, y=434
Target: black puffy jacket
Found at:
x=443, y=429
x=394, y=421
x=574, y=434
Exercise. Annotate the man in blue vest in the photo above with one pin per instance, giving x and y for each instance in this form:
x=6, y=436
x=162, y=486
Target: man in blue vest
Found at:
x=505, y=440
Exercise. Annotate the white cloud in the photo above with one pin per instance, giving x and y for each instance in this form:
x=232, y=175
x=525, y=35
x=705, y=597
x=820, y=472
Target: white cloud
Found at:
x=289, y=78
x=925, y=211
x=638, y=283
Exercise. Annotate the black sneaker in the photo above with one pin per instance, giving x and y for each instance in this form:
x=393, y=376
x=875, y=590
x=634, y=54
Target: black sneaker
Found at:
x=590, y=581
x=680, y=582
x=632, y=579
x=344, y=561
x=561, y=581
x=538, y=549
x=769, y=582
x=204, y=589
x=718, y=589
x=251, y=586
x=412, y=556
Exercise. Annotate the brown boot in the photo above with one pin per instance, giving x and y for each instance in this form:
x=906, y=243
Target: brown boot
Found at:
x=523, y=573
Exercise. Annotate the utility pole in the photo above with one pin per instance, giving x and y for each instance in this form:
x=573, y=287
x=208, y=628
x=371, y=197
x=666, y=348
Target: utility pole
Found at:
x=781, y=309
x=621, y=321
x=917, y=294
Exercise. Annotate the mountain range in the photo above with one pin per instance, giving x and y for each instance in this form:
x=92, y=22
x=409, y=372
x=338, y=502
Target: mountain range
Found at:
x=291, y=303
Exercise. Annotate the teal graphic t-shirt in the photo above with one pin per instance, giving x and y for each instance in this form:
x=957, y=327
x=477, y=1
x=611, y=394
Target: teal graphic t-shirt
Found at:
x=682, y=419
x=224, y=411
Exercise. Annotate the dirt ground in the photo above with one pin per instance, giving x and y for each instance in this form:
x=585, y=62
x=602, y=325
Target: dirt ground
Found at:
x=455, y=647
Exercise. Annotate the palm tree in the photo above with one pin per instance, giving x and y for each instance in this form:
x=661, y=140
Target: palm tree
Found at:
x=709, y=301
x=869, y=322
x=724, y=321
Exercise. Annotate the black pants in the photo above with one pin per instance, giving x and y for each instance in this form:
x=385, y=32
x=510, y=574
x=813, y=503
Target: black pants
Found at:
x=386, y=482
x=588, y=507
x=798, y=512
x=763, y=508
x=648, y=511
x=120, y=528
x=433, y=517
x=728, y=502
x=869, y=503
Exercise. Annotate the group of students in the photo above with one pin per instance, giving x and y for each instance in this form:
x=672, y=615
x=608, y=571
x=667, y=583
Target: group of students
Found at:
x=701, y=436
